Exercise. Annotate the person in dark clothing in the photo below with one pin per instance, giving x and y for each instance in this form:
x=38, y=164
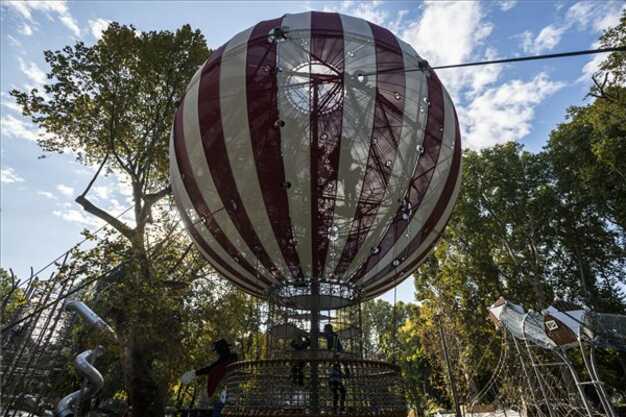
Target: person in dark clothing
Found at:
x=332, y=339
x=337, y=387
x=299, y=344
x=215, y=372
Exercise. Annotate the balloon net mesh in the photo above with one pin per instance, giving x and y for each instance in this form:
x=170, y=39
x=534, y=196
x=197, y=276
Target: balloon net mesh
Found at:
x=306, y=386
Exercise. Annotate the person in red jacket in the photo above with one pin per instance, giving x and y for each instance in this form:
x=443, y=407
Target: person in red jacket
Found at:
x=215, y=371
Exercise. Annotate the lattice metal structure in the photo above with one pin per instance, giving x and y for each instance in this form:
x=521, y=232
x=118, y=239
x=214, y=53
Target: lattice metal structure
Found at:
x=35, y=339
x=536, y=374
x=268, y=388
x=31, y=349
x=532, y=381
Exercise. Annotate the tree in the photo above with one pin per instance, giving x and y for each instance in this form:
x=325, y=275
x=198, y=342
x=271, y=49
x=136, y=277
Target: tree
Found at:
x=594, y=137
x=588, y=158
x=11, y=296
x=112, y=104
x=517, y=231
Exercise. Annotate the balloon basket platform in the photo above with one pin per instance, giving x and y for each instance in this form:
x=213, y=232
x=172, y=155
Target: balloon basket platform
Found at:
x=312, y=385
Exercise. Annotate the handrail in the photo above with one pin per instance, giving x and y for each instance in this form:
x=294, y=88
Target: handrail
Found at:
x=308, y=385
x=306, y=358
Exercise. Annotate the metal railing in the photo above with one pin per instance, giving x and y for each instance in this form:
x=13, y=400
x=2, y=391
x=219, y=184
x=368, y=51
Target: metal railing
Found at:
x=313, y=385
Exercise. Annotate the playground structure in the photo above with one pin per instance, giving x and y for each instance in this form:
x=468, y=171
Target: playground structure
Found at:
x=36, y=342
x=292, y=381
x=537, y=373
x=315, y=161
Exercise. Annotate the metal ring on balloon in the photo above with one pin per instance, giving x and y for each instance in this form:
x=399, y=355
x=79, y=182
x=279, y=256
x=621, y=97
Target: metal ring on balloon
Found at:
x=333, y=295
x=307, y=317
x=286, y=331
x=302, y=149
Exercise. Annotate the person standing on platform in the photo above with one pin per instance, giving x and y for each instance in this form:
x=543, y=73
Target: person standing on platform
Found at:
x=215, y=372
x=337, y=387
x=333, y=343
x=299, y=344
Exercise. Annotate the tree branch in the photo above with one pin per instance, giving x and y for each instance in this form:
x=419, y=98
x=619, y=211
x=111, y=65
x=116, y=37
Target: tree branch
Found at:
x=95, y=177
x=601, y=88
x=149, y=200
x=117, y=224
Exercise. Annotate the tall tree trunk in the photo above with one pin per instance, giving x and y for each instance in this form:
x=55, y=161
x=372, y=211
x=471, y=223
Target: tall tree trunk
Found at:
x=146, y=394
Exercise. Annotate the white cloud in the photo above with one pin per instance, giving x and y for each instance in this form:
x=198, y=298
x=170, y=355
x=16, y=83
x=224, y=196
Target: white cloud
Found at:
x=98, y=26
x=102, y=192
x=586, y=14
x=47, y=194
x=547, y=39
x=609, y=20
x=65, y=190
x=14, y=41
x=455, y=42
x=50, y=7
x=481, y=77
x=505, y=112
x=9, y=176
x=592, y=66
x=21, y=7
x=489, y=113
x=9, y=102
x=77, y=216
x=25, y=30
x=124, y=187
x=70, y=23
x=581, y=15
x=371, y=11
x=14, y=127
x=506, y=5
x=33, y=73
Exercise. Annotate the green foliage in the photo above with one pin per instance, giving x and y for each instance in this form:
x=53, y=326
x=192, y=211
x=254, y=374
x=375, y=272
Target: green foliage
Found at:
x=111, y=104
x=12, y=298
x=117, y=98
x=528, y=227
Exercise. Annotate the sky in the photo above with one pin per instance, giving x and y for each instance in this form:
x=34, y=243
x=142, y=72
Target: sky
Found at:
x=495, y=104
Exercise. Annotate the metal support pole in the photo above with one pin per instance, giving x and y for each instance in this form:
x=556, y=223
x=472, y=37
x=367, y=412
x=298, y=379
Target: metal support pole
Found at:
x=455, y=396
x=595, y=381
x=528, y=381
x=534, y=364
x=315, y=344
x=360, y=328
x=571, y=369
x=315, y=284
x=530, y=385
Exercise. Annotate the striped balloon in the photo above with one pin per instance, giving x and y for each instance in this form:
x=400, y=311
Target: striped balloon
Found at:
x=315, y=145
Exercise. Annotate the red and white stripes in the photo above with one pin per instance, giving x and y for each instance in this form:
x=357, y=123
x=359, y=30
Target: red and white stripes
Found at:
x=302, y=149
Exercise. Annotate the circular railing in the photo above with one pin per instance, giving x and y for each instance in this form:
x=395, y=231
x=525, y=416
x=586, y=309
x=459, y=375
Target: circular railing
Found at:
x=311, y=385
x=331, y=295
